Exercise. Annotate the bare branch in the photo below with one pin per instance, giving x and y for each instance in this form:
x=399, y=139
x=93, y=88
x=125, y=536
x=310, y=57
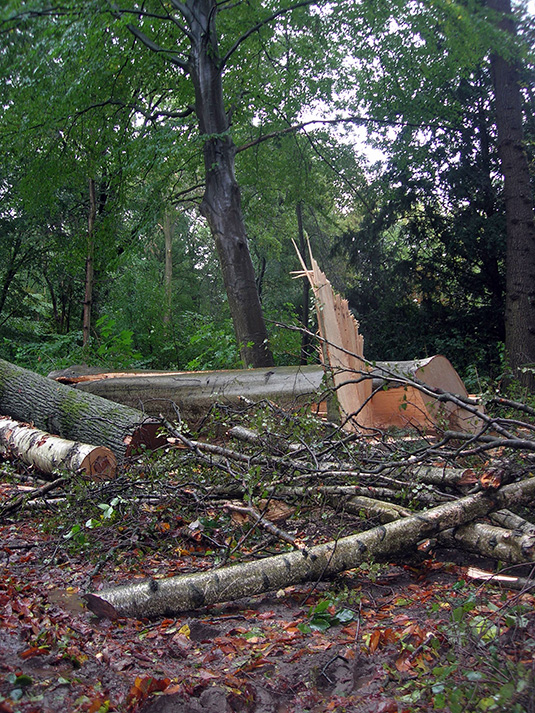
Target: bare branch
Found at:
x=262, y=23
x=358, y=120
x=169, y=55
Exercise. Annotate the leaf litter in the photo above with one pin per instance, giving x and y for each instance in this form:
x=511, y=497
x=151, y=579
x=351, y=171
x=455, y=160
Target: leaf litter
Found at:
x=407, y=636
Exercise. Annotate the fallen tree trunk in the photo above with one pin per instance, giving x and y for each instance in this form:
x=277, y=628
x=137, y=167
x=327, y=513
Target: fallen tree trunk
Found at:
x=193, y=393
x=290, y=387
x=49, y=453
x=512, y=521
x=491, y=541
x=57, y=408
x=170, y=596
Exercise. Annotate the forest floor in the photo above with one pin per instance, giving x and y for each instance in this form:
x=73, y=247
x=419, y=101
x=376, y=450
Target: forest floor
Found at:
x=411, y=635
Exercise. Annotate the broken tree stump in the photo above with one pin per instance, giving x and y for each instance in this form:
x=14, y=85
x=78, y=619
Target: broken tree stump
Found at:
x=50, y=453
x=363, y=406
x=56, y=408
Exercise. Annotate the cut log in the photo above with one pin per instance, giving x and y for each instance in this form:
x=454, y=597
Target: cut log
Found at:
x=512, y=521
x=168, y=597
x=194, y=393
x=49, y=453
x=290, y=387
x=491, y=541
x=383, y=511
x=363, y=409
x=56, y=408
x=407, y=405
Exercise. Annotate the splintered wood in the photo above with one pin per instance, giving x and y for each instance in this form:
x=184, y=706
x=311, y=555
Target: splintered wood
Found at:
x=342, y=349
x=365, y=406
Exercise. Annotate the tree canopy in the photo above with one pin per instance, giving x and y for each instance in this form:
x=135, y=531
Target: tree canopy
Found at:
x=247, y=111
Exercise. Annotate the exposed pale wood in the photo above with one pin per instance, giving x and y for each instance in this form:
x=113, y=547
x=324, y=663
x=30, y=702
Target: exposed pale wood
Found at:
x=407, y=405
x=291, y=387
x=49, y=453
x=339, y=328
x=362, y=409
x=504, y=581
x=170, y=596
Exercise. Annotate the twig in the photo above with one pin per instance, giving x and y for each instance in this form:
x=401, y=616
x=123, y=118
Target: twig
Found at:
x=263, y=522
x=32, y=495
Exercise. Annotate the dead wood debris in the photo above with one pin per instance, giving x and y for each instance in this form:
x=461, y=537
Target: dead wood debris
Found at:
x=244, y=459
x=413, y=485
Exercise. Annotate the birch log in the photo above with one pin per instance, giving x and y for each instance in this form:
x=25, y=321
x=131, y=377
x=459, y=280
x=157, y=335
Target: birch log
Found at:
x=491, y=541
x=56, y=408
x=168, y=597
x=49, y=453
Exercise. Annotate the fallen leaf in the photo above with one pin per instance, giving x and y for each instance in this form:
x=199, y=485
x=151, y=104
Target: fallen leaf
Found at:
x=469, y=477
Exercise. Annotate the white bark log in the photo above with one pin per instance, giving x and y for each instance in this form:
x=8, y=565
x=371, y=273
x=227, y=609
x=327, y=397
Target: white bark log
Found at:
x=49, y=453
x=491, y=541
x=56, y=408
x=170, y=596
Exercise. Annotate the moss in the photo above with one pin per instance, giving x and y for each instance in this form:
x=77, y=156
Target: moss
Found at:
x=6, y=374
x=72, y=409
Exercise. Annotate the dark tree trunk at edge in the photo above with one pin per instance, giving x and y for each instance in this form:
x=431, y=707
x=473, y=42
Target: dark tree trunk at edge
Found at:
x=520, y=279
x=89, y=268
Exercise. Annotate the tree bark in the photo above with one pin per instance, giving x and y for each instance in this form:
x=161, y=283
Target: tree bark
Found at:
x=89, y=267
x=168, y=270
x=193, y=393
x=519, y=208
x=49, y=453
x=170, y=596
x=491, y=541
x=72, y=414
x=221, y=204
x=288, y=386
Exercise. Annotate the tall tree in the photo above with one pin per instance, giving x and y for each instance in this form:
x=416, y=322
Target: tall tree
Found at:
x=519, y=204
x=221, y=204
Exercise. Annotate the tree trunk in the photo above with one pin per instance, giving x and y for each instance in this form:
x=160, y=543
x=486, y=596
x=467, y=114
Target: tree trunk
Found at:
x=491, y=541
x=519, y=208
x=168, y=597
x=49, y=453
x=288, y=386
x=306, y=343
x=221, y=203
x=193, y=393
x=89, y=267
x=73, y=414
x=168, y=274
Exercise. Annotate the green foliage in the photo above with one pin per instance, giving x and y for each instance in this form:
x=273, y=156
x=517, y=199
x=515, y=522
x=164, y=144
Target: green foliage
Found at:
x=43, y=352
x=208, y=345
x=114, y=347
x=424, y=235
x=472, y=671
x=327, y=613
